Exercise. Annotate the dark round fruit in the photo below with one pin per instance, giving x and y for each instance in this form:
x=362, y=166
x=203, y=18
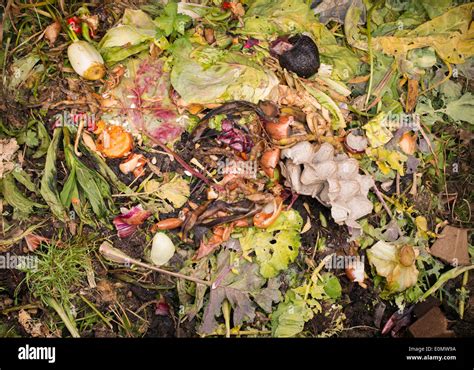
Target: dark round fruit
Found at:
x=302, y=58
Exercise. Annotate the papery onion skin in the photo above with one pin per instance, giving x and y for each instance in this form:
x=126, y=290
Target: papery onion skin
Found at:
x=127, y=223
x=269, y=161
x=133, y=163
x=86, y=60
x=263, y=220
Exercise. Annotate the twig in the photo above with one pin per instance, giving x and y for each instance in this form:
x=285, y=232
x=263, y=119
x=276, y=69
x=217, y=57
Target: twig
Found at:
x=118, y=256
x=397, y=183
x=380, y=197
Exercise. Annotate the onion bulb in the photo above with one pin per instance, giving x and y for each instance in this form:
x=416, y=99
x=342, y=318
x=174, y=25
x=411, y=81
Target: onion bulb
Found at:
x=162, y=249
x=280, y=129
x=269, y=161
x=86, y=60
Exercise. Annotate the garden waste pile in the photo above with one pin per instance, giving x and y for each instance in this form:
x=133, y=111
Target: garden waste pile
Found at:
x=236, y=168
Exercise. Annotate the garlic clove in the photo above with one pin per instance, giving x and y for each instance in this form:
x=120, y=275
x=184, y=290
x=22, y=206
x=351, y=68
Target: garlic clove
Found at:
x=162, y=249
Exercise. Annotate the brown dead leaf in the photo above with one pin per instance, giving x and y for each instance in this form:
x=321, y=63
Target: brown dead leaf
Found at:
x=412, y=96
x=8, y=148
x=34, y=327
x=51, y=32
x=107, y=291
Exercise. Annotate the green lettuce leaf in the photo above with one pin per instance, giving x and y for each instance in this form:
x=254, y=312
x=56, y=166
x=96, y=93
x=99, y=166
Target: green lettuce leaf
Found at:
x=265, y=18
x=132, y=36
x=289, y=318
x=170, y=21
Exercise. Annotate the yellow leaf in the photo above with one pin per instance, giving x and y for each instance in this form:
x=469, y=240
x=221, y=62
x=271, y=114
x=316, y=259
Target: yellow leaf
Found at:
x=451, y=35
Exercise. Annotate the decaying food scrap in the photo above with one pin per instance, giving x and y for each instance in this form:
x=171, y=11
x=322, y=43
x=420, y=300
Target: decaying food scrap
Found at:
x=227, y=154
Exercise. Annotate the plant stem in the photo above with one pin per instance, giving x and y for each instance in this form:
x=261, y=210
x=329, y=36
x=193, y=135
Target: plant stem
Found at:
x=226, y=313
x=70, y=325
x=371, y=55
x=94, y=308
x=118, y=256
x=451, y=274
x=463, y=294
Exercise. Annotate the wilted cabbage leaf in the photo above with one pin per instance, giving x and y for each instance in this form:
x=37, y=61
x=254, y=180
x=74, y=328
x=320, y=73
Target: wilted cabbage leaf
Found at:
x=461, y=109
x=302, y=302
x=264, y=17
x=170, y=20
x=376, y=131
x=450, y=34
x=332, y=286
x=276, y=246
x=387, y=160
x=226, y=76
x=289, y=318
